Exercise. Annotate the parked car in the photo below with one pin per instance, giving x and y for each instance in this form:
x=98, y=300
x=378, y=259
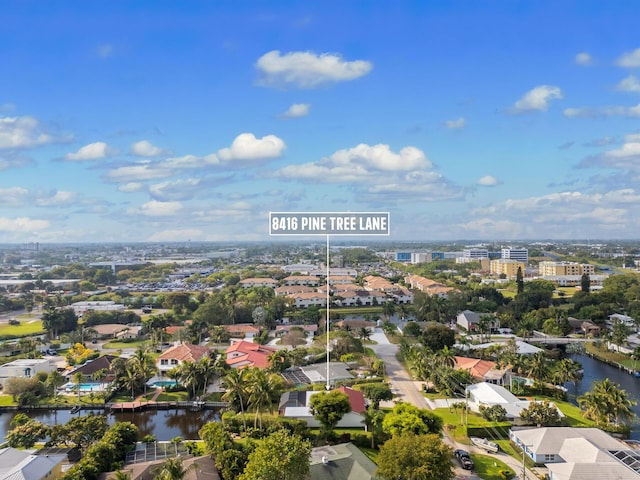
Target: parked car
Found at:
x=464, y=458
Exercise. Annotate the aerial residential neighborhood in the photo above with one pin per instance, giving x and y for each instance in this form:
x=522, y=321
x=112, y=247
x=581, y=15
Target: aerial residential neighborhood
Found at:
x=481, y=360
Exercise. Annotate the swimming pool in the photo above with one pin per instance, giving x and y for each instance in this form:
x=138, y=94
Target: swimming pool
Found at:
x=84, y=387
x=164, y=383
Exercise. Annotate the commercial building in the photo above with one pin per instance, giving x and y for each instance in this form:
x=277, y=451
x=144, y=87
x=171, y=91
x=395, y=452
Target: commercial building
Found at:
x=513, y=253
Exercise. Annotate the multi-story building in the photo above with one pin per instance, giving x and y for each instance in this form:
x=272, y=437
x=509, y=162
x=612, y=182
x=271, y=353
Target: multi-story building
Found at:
x=505, y=266
x=548, y=269
x=520, y=254
x=475, y=253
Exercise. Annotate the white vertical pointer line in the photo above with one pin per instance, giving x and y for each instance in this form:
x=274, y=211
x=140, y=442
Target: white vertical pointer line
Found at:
x=327, y=322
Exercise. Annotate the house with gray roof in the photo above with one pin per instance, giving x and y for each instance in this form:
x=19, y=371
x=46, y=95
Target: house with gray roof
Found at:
x=344, y=461
x=579, y=453
x=26, y=465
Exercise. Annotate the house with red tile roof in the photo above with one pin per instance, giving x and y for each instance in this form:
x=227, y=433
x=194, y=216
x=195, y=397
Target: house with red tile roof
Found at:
x=248, y=354
x=179, y=353
x=483, y=370
x=242, y=330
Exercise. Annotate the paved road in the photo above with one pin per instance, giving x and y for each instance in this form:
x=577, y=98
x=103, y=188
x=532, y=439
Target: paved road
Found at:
x=409, y=391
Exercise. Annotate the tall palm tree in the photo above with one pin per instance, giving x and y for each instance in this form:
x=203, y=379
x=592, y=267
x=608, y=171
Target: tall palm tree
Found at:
x=190, y=374
x=207, y=369
x=143, y=363
x=173, y=469
x=77, y=380
x=55, y=380
x=262, y=388
x=538, y=366
x=235, y=390
x=606, y=403
x=130, y=379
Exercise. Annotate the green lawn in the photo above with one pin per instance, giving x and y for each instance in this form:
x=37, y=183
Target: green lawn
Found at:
x=123, y=345
x=489, y=468
x=6, y=401
x=25, y=329
x=455, y=423
x=173, y=397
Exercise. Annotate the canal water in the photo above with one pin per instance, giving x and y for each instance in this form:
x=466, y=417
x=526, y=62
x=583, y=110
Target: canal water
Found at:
x=596, y=370
x=164, y=424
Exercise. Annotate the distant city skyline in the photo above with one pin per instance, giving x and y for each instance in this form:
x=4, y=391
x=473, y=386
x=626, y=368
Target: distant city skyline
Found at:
x=191, y=121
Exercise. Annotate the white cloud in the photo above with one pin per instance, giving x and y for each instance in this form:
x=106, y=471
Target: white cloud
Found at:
x=92, y=151
x=174, y=190
x=629, y=149
x=610, y=111
x=458, y=123
x=358, y=163
x=297, y=110
x=190, y=161
x=155, y=208
x=13, y=196
x=629, y=84
x=375, y=171
x=629, y=59
x=380, y=157
x=537, y=99
x=22, y=225
x=134, y=173
x=22, y=132
x=307, y=69
x=584, y=59
x=144, y=148
x=59, y=198
x=488, y=181
x=247, y=147
x=131, y=187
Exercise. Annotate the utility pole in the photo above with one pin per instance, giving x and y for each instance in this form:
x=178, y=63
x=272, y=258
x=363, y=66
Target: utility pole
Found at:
x=524, y=467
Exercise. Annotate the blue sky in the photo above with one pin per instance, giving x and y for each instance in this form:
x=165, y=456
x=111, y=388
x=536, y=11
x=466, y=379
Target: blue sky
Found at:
x=175, y=121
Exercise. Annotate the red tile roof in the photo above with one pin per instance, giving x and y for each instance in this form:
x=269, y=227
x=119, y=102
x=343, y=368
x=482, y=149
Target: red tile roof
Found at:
x=185, y=352
x=254, y=354
x=476, y=367
x=356, y=399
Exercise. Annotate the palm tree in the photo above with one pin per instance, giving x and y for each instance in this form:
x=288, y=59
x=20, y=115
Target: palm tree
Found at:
x=130, y=379
x=190, y=374
x=262, y=388
x=447, y=356
x=566, y=370
x=538, y=367
x=55, y=380
x=173, y=469
x=207, y=369
x=235, y=390
x=606, y=403
x=143, y=363
x=77, y=380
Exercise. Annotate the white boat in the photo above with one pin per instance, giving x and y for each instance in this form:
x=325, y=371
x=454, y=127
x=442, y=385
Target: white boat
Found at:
x=485, y=444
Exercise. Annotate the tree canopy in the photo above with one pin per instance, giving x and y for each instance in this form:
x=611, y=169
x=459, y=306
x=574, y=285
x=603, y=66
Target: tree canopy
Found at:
x=415, y=457
x=280, y=456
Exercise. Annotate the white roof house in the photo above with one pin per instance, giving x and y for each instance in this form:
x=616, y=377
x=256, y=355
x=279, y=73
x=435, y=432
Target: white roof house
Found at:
x=25, y=368
x=489, y=394
x=579, y=453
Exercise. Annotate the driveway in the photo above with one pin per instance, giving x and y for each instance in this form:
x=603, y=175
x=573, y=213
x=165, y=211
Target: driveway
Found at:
x=401, y=384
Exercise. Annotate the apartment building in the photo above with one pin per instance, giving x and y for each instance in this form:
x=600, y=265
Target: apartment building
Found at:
x=506, y=266
x=548, y=269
